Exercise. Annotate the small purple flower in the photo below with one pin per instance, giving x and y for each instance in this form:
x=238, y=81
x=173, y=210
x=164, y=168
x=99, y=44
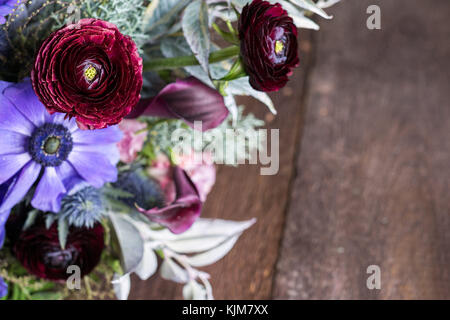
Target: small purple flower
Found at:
x=3, y=288
x=6, y=7
x=184, y=210
x=47, y=151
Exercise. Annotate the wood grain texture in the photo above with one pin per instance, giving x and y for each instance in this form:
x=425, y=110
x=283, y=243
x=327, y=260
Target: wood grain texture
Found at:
x=374, y=168
x=242, y=193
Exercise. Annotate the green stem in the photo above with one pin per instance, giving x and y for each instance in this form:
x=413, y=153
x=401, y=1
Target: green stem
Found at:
x=88, y=288
x=186, y=61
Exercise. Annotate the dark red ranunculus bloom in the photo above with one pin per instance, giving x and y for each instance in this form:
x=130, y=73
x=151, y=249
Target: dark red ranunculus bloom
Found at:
x=90, y=71
x=268, y=45
x=39, y=251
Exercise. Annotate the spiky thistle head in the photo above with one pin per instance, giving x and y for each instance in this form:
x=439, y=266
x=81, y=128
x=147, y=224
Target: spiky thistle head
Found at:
x=146, y=192
x=83, y=208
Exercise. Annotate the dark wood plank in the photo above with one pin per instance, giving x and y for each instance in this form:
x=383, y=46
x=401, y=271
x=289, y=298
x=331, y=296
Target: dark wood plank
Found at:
x=242, y=193
x=374, y=171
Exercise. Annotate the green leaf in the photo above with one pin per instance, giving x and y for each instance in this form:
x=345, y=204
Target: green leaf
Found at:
x=231, y=37
x=129, y=240
x=303, y=22
x=63, y=232
x=297, y=15
x=177, y=46
x=326, y=3
x=241, y=3
x=46, y=295
x=31, y=218
x=49, y=219
x=242, y=87
x=161, y=14
x=311, y=6
x=43, y=286
x=116, y=193
x=16, y=292
x=196, y=31
x=173, y=47
x=237, y=71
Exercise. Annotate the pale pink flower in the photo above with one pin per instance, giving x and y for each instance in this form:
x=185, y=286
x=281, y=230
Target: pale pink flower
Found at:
x=132, y=142
x=161, y=170
x=202, y=174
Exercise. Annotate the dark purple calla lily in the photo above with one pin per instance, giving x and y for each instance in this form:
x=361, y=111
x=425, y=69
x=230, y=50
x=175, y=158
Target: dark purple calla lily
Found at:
x=184, y=210
x=189, y=100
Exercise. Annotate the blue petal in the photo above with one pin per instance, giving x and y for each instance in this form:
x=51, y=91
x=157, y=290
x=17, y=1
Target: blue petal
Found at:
x=68, y=175
x=99, y=136
x=3, y=217
x=49, y=191
x=26, y=101
x=12, y=142
x=3, y=288
x=94, y=167
x=12, y=163
x=20, y=186
x=2, y=235
x=109, y=150
x=5, y=10
x=61, y=119
x=12, y=120
x=4, y=85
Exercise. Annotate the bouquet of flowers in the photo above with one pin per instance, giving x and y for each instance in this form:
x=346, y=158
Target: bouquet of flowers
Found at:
x=101, y=101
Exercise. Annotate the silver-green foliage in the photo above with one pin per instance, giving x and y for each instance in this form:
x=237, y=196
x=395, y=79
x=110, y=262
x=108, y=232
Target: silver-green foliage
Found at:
x=126, y=15
x=162, y=138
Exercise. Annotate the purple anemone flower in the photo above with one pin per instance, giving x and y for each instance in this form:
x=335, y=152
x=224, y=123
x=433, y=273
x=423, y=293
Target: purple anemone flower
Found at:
x=48, y=152
x=6, y=7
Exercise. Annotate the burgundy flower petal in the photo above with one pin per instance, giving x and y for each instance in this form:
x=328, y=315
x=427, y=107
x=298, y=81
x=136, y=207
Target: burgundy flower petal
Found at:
x=268, y=45
x=184, y=211
x=89, y=71
x=189, y=100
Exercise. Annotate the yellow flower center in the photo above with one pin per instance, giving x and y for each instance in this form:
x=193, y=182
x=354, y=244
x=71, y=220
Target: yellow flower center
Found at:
x=90, y=73
x=279, y=46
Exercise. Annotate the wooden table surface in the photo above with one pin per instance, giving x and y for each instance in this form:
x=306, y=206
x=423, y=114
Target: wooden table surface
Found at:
x=364, y=168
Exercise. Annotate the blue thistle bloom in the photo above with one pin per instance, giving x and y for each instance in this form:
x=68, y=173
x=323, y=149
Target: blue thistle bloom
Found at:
x=84, y=208
x=147, y=192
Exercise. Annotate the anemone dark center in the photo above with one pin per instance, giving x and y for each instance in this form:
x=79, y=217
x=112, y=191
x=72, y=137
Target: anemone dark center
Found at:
x=50, y=144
